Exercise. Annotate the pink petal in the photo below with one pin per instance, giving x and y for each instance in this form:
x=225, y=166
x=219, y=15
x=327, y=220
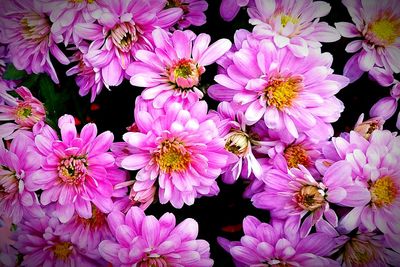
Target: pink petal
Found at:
x=214, y=52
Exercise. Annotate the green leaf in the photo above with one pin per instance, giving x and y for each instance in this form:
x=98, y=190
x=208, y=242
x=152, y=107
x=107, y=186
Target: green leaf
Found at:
x=47, y=91
x=12, y=73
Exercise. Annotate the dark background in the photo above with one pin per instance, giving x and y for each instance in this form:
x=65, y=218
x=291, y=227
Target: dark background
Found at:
x=221, y=215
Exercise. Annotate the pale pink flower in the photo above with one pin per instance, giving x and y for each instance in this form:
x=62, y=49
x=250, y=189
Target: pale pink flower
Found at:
x=20, y=114
x=293, y=24
x=17, y=164
x=384, y=108
x=292, y=94
x=299, y=194
x=26, y=30
x=75, y=172
x=42, y=244
x=193, y=12
x=374, y=165
x=179, y=151
x=239, y=141
x=279, y=244
x=377, y=29
x=88, y=78
x=172, y=73
x=145, y=241
x=64, y=15
x=120, y=30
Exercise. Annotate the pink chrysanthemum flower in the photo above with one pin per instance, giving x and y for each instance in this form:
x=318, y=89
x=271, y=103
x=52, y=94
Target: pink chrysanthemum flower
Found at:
x=88, y=78
x=374, y=164
x=17, y=164
x=279, y=244
x=299, y=194
x=145, y=241
x=87, y=233
x=64, y=15
x=293, y=24
x=180, y=151
x=24, y=113
x=365, y=128
x=292, y=94
x=193, y=12
x=239, y=141
x=42, y=245
x=26, y=30
x=75, y=171
x=173, y=71
x=230, y=8
x=377, y=27
x=142, y=198
x=122, y=29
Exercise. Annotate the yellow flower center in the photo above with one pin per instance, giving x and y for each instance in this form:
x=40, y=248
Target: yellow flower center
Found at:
x=173, y=3
x=360, y=252
x=287, y=18
x=295, y=155
x=238, y=143
x=310, y=198
x=62, y=250
x=23, y=112
x=383, y=192
x=35, y=27
x=386, y=31
x=172, y=156
x=280, y=92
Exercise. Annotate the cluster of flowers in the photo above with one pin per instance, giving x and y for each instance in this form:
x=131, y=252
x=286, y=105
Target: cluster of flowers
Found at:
x=69, y=195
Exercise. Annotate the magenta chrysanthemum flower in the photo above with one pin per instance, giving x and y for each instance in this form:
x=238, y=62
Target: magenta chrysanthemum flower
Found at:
x=145, y=241
x=17, y=164
x=64, y=15
x=180, y=151
x=239, y=141
x=294, y=24
x=173, y=71
x=299, y=194
x=24, y=113
x=122, y=28
x=279, y=244
x=87, y=233
x=88, y=78
x=74, y=174
x=377, y=29
x=26, y=30
x=374, y=164
x=42, y=245
x=193, y=12
x=292, y=94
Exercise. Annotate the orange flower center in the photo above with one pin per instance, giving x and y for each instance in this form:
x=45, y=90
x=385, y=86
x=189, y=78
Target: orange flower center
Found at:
x=310, y=198
x=62, y=250
x=172, y=156
x=280, y=91
x=97, y=220
x=383, y=192
x=295, y=155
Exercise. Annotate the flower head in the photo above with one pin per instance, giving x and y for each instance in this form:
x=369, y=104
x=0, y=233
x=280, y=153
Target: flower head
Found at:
x=120, y=30
x=294, y=24
x=377, y=27
x=75, y=172
x=288, y=92
x=279, y=244
x=173, y=71
x=145, y=241
x=24, y=113
x=17, y=164
x=26, y=30
x=180, y=151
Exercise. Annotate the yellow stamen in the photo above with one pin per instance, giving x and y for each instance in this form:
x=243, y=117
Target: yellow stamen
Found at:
x=295, y=155
x=280, y=92
x=172, y=156
x=310, y=198
x=287, y=18
x=383, y=192
x=62, y=250
x=386, y=31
